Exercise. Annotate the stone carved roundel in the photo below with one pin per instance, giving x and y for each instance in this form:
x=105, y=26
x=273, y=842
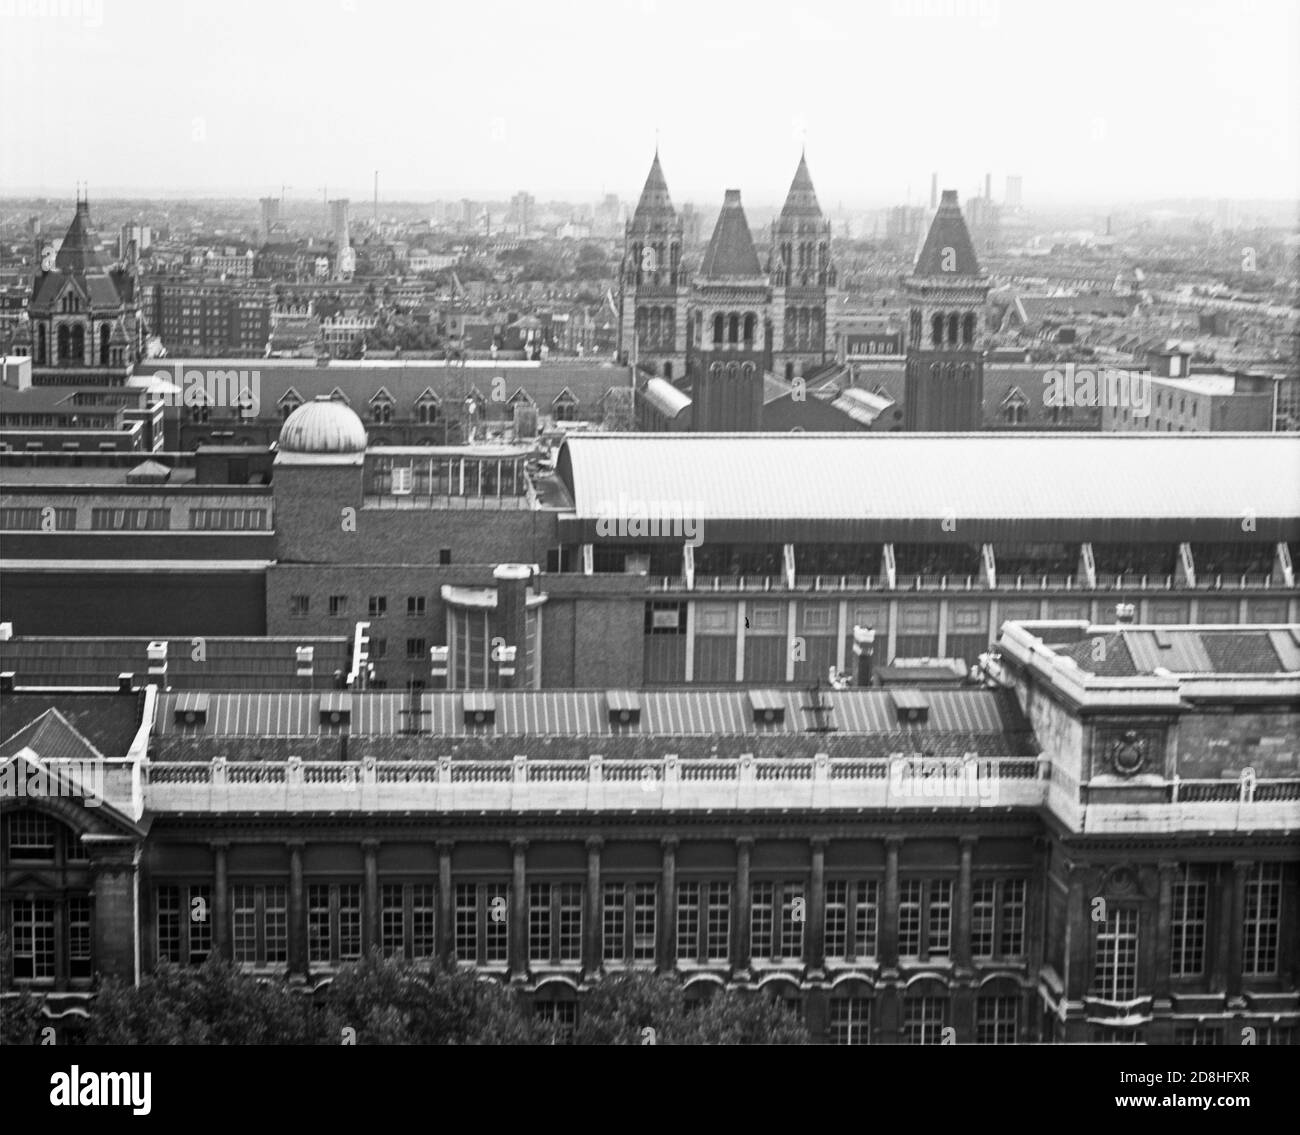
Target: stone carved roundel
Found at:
x=1128, y=753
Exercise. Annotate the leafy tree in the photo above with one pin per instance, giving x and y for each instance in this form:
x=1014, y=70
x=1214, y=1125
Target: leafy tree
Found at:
x=214, y=1004
x=393, y=1001
x=21, y=1019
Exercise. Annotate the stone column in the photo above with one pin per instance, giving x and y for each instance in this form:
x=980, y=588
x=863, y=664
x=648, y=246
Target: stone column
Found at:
x=744, y=850
x=1164, y=930
x=446, y=903
x=889, y=915
x=370, y=929
x=815, y=937
x=667, y=945
x=518, y=929
x=1236, y=911
x=297, y=912
x=961, y=952
x=592, y=947
x=220, y=899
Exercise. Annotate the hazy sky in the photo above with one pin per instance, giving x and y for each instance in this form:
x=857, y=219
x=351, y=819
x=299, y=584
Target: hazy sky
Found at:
x=1104, y=101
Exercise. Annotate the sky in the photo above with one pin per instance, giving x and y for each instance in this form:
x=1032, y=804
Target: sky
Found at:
x=1100, y=102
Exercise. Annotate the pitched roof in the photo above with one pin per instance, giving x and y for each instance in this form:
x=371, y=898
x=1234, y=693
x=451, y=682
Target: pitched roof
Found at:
x=801, y=201
x=947, y=232
x=50, y=737
x=655, y=204
x=731, y=250
x=80, y=248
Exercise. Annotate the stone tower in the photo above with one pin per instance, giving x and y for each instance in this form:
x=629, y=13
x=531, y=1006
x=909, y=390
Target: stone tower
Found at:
x=653, y=291
x=729, y=328
x=85, y=321
x=946, y=293
x=803, y=282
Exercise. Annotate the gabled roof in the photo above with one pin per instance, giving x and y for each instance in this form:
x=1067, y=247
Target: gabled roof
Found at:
x=51, y=738
x=655, y=206
x=801, y=201
x=731, y=250
x=947, y=232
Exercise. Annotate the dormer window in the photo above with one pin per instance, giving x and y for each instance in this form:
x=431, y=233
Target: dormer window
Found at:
x=427, y=408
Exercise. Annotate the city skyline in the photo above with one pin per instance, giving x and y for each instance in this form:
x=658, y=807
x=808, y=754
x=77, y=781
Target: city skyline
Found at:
x=536, y=106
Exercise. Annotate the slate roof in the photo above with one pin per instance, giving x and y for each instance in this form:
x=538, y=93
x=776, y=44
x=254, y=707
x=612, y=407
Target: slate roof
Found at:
x=947, y=230
x=731, y=251
x=801, y=201
x=655, y=206
x=1127, y=652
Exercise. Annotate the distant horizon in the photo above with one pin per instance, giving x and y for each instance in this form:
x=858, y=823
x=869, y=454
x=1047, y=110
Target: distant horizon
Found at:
x=1089, y=103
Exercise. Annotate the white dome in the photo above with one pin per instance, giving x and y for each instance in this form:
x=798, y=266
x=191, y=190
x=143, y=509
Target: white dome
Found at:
x=323, y=426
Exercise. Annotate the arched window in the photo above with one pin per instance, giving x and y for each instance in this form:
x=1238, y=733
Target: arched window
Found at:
x=750, y=322
x=733, y=372
x=717, y=328
x=41, y=345
x=950, y=372
x=103, y=344
x=934, y=372
x=669, y=328
x=668, y=370
x=733, y=329
x=789, y=372
x=915, y=336
x=966, y=372
x=747, y=371
x=65, y=343
x=50, y=922
x=79, y=343
x=952, y=329
x=968, y=329
x=936, y=331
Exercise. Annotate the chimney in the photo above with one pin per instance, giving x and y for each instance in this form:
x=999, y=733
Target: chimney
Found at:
x=864, y=646
x=1125, y=612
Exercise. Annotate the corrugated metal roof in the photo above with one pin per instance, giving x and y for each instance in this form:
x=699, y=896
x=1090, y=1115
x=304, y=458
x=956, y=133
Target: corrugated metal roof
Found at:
x=933, y=476
x=576, y=713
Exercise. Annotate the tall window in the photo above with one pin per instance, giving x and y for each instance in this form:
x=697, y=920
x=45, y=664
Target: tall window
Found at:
x=852, y=918
x=333, y=923
x=184, y=923
x=777, y=917
x=997, y=1020
x=923, y=1019
x=482, y=922
x=628, y=924
x=407, y=920
x=850, y=1020
x=1187, y=927
x=1263, y=919
x=555, y=923
x=31, y=926
x=703, y=922
x=924, y=918
x=998, y=918
x=259, y=924
x=1117, y=942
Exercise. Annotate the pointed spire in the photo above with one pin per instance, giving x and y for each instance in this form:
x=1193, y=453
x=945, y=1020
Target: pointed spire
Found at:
x=731, y=249
x=948, y=250
x=801, y=201
x=655, y=205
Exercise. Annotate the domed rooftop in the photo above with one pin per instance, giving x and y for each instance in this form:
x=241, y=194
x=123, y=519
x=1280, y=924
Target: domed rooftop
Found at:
x=322, y=426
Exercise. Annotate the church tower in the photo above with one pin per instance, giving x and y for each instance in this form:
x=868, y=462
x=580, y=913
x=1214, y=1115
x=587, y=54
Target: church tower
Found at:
x=803, y=282
x=728, y=327
x=85, y=325
x=652, y=288
x=946, y=293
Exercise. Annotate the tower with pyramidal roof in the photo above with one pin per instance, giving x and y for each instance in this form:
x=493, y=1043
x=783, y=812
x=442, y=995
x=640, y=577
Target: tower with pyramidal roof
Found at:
x=946, y=293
